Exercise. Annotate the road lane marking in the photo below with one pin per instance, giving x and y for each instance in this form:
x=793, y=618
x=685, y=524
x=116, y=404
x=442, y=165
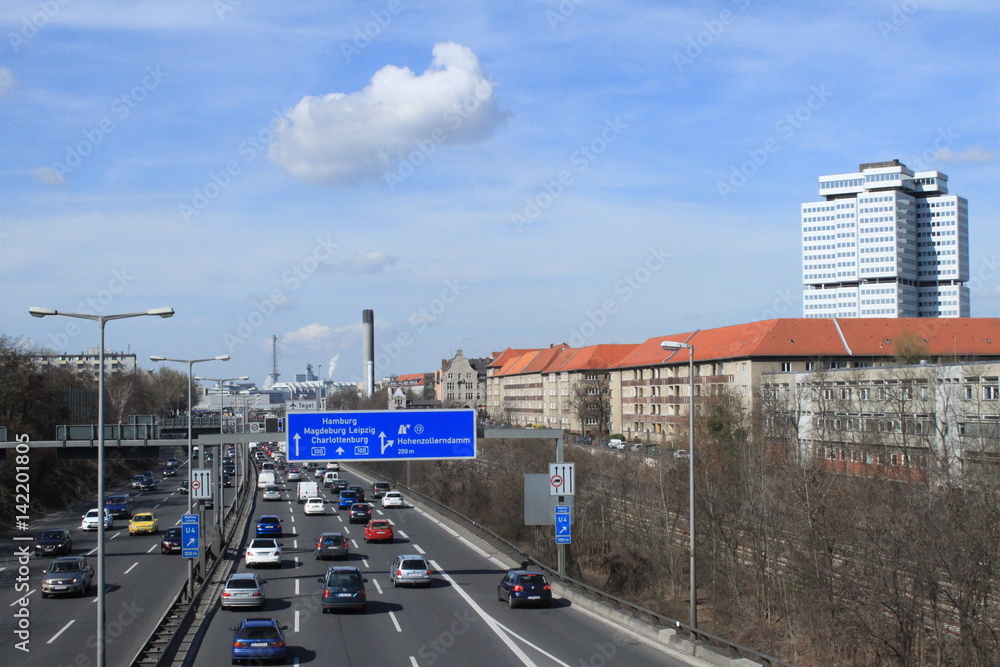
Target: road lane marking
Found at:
x=377, y=587
x=402, y=534
x=150, y=549
x=297, y=561
x=297, y=621
x=474, y=547
x=114, y=536
x=131, y=568
x=92, y=551
x=392, y=615
x=413, y=661
x=17, y=601
x=449, y=530
x=296, y=586
x=354, y=542
x=365, y=561
x=56, y=635
x=490, y=622
x=419, y=550
x=295, y=544
x=537, y=648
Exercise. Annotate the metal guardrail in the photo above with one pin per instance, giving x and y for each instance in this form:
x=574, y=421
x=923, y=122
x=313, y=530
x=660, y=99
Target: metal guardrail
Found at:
x=738, y=650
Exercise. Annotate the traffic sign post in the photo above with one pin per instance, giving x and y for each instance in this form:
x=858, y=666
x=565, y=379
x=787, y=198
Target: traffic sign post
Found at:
x=391, y=435
x=562, y=479
x=564, y=532
x=190, y=536
x=201, y=484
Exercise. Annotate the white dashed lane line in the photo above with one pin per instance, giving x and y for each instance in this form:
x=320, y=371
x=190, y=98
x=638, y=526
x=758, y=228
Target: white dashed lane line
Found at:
x=56, y=635
x=131, y=568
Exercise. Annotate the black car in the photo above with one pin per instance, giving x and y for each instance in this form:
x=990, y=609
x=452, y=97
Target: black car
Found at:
x=54, y=543
x=360, y=513
x=171, y=541
x=147, y=484
x=520, y=587
x=339, y=485
x=344, y=588
x=358, y=490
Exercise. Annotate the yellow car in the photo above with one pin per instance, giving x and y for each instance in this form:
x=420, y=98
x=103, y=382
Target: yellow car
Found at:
x=143, y=523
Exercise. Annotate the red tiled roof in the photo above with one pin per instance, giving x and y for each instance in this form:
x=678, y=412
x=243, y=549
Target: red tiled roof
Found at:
x=502, y=358
x=419, y=377
x=961, y=336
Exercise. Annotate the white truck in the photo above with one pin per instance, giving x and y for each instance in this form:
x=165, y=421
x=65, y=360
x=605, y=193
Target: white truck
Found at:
x=264, y=478
x=307, y=490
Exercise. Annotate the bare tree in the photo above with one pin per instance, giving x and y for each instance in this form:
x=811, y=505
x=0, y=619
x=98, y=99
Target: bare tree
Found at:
x=590, y=399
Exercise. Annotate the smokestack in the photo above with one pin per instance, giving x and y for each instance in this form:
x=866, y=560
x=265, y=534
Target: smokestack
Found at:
x=368, y=350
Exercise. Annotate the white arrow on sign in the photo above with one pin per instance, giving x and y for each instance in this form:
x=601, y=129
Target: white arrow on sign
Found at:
x=296, y=438
x=564, y=528
x=192, y=541
x=386, y=444
x=340, y=450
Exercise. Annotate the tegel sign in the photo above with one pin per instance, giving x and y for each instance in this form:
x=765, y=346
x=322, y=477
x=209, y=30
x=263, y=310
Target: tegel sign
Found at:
x=390, y=435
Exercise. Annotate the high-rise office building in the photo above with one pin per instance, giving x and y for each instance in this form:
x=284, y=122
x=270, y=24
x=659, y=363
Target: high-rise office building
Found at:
x=885, y=242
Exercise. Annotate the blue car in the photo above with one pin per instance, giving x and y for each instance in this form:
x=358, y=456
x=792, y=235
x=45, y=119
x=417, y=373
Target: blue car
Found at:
x=522, y=588
x=258, y=639
x=268, y=525
x=120, y=506
x=347, y=498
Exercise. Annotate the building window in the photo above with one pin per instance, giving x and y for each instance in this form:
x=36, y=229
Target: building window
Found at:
x=786, y=366
x=744, y=367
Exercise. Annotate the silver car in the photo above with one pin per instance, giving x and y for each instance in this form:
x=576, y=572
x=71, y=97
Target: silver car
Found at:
x=69, y=574
x=409, y=569
x=245, y=589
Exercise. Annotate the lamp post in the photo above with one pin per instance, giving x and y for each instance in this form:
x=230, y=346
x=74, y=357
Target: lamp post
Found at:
x=222, y=432
x=673, y=345
x=101, y=321
x=190, y=363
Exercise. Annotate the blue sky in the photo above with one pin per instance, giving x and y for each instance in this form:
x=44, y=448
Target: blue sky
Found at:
x=482, y=175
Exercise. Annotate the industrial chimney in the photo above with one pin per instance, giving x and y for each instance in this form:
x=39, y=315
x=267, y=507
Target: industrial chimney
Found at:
x=368, y=350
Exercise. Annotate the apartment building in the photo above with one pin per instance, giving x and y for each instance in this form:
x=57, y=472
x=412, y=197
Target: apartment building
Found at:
x=89, y=362
x=885, y=241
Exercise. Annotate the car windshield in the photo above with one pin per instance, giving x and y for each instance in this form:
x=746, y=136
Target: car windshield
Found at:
x=241, y=583
x=359, y=508
x=64, y=567
x=343, y=580
x=269, y=520
x=380, y=524
x=258, y=633
x=51, y=535
x=262, y=544
x=116, y=500
x=532, y=579
x=143, y=517
x=334, y=540
x=173, y=533
x=412, y=564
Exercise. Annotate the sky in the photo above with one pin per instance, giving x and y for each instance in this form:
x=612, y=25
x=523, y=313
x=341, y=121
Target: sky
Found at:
x=481, y=175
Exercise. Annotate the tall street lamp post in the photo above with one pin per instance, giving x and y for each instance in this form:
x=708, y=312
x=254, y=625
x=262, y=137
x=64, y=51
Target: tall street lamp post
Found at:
x=190, y=363
x=222, y=432
x=101, y=321
x=673, y=345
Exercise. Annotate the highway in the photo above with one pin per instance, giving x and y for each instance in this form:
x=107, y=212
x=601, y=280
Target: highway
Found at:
x=141, y=583
x=457, y=621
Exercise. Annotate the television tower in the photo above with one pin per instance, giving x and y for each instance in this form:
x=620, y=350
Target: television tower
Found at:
x=272, y=377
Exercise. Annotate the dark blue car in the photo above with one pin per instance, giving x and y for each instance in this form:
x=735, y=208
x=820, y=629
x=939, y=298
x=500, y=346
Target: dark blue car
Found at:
x=268, y=525
x=257, y=639
x=522, y=588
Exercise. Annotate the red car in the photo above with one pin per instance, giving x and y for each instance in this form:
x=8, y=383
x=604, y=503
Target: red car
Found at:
x=378, y=529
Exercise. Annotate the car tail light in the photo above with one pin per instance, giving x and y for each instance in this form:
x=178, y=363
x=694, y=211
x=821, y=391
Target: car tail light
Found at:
x=427, y=572
x=547, y=587
x=225, y=594
x=399, y=573
x=518, y=588
x=278, y=643
x=326, y=593
x=257, y=594
x=240, y=644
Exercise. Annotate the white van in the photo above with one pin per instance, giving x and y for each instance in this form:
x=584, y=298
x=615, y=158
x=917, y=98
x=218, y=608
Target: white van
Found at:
x=265, y=478
x=329, y=477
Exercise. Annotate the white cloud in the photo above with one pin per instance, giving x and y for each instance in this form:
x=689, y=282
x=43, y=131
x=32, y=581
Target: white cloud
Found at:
x=6, y=80
x=48, y=176
x=349, y=137
x=974, y=155
x=311, y=336
x=375, y=261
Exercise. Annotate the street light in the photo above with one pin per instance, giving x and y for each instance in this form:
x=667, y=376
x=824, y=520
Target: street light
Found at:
x=190, y=363
x=222, y=431
x=674, y=345
x=101, y=321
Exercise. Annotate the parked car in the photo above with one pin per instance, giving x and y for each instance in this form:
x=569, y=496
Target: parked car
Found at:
x=379, y=489
x=271, y=492
x=92, y=517
x=143, y=523
x=393, y=499
x=171, y=541
x=263, y=551
x=69, y=574
x=360, y=513
x=258, y=639
x=520, y=587
x=315, y=506
x=120, y=506
x=344, y=588
x=54, y=543
x=244, y=589
x=346, y=499
x=268, y=525
x=332, y=545
x=379, y=530
x=409, y=569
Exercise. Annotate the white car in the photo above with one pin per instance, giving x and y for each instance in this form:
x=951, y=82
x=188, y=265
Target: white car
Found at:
x=393, y=499
x=333, y=465
x=319, y=473
x=294, y=476
x=271, y=492
x=315, y=506
x=91, y=519
x=263, y=551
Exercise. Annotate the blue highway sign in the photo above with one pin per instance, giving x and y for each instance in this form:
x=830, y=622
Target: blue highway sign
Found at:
x=189, y=536
x=563, y=530
x=391, y=435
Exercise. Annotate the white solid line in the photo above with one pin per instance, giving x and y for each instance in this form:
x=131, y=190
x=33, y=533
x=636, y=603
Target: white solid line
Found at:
x=56, y=635
x=392, y=615
x=499, y=562
x=447, y=528
x=296, y=621
x=474, y=548
x=377, y=587
x=132, y=568
x=419, y=550
x=150, y=549
x=493, y=625
x=23, y=597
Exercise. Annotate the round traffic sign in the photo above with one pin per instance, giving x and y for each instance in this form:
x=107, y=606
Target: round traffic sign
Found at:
x=254, y=427
x=196, y=484
x=556, y=481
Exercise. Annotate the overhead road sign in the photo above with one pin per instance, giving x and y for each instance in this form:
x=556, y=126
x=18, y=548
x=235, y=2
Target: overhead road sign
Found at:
x=389, y=435
x=190, y=540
